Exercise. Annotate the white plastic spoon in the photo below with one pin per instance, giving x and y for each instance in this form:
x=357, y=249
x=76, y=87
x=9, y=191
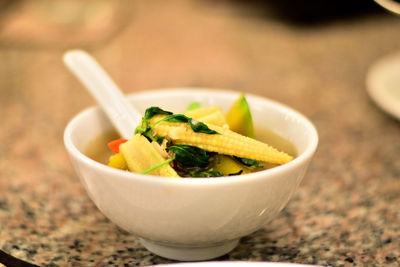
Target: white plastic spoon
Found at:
x=122, y=114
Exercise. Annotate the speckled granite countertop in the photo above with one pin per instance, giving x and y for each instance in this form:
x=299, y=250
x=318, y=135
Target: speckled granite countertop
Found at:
x=346, y=211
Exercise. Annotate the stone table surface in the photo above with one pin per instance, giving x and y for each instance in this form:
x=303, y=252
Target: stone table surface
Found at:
x=345, y=212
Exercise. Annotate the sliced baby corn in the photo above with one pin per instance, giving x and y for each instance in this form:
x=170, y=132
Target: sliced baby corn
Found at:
x=140, y=155
x=226, y=142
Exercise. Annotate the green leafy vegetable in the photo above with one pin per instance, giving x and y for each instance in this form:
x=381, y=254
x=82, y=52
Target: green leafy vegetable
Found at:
x=152, y=111
x=249, y=162
x=190, y=156
x=205, y=173
x=145, y=128
x=176, y=118
x=190, y=162
x=200, y=127
x=193, y=105
x=160, y=140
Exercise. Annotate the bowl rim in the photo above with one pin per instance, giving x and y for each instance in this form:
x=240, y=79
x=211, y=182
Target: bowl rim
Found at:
x=264, y=174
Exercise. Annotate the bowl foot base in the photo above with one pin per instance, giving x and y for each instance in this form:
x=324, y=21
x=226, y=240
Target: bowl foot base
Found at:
x=181, y=253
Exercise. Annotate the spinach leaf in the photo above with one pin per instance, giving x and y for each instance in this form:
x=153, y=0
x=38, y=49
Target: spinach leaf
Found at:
x=249, y=162
x=145, y=128
x=160, y=140
x=197, y=126
x=152, y=111
x=176, y=118
x=190, y=156
x=146, y=132
x=200, y=127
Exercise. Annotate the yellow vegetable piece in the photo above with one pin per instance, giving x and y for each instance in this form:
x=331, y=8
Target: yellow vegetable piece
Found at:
x=239, y=117
x=226, y=142
x=211, y=115
x=216, y=118
x=141, y=155
x=228, y=166
x=117, y=161
x=202, y=111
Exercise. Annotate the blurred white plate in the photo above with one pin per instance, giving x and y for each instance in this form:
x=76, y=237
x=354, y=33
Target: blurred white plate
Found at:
x=235, y=264
x=383, y=84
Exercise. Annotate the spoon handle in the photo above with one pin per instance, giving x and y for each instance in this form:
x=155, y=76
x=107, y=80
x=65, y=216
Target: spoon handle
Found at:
x=122, y=114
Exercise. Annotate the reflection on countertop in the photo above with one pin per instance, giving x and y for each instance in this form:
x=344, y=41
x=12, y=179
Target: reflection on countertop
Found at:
x=345, y=212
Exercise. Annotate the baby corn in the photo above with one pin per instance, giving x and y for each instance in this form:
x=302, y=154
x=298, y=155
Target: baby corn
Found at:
x=226, y=142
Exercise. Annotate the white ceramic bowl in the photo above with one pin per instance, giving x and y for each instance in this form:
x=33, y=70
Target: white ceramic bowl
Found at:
x=192, y=218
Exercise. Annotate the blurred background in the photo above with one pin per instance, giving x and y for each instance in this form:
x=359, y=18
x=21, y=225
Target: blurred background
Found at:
x=311, y=55
x=201, y=43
